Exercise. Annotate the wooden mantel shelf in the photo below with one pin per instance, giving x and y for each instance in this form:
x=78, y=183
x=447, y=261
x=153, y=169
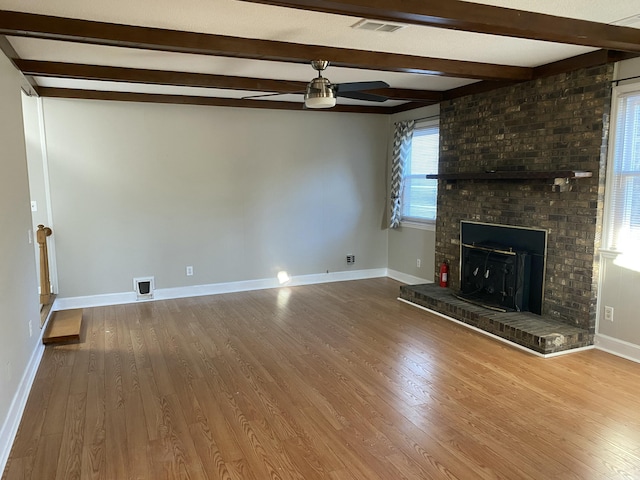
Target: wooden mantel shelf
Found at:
x=511, y=175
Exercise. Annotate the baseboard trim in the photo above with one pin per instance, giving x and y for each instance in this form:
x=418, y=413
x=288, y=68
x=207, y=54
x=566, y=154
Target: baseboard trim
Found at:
x=18, y=404
x=215, y=288
x=406, y=278
x=620, y=348
x=496, y=337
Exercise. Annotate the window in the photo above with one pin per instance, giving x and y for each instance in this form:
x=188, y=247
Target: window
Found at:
x=623, y=192
x=419, y=195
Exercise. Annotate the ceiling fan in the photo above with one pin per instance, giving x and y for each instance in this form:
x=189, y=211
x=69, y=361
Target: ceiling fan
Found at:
x=321, y=93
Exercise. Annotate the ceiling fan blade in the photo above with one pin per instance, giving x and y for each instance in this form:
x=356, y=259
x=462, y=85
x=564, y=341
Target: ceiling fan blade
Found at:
x=369, y=97
x=357, y=86
x=271, y=95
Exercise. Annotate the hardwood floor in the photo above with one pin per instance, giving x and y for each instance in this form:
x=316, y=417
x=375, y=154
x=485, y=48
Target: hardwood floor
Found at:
x=332, y=381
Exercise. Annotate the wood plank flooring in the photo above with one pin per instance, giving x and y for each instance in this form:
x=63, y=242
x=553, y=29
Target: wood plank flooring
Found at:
x=333, y=381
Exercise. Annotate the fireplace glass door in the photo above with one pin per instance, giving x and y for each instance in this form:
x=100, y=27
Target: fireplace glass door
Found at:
x=495, y=277
x=502, y=266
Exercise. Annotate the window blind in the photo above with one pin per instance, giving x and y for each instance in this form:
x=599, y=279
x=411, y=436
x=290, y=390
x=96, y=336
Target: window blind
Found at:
x=419, y=195
x=623, y=210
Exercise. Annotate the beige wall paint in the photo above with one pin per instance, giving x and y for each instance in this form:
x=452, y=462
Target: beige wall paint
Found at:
x=18, y=287
x=619, y=289
x=619, y=278
x=407, y=244
x=628, y=69
x=239, y=194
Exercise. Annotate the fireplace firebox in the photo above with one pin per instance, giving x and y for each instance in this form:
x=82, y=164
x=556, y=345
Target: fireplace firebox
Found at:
x=502, y=267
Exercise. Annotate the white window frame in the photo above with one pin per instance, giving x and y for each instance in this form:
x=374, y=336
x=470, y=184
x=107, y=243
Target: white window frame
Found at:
x=612, y=177
x=416, y=222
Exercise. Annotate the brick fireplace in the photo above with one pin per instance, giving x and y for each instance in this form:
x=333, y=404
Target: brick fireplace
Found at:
x=558, y=123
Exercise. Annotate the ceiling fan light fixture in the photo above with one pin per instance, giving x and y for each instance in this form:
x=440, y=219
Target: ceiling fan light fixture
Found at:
x=319, y=94
x=319, y=102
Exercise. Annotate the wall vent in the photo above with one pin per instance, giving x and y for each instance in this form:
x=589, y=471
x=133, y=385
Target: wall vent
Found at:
x=143, y=286
x=377, y=26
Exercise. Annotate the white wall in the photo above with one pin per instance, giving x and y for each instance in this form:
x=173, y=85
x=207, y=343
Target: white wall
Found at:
x=18, y=286
x=38, y=177
x=239, y=194
x=407, y=244
x=620, y=281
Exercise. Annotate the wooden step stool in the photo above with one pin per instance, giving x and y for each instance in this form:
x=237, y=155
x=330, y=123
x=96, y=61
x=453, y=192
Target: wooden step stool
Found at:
x=64, y=326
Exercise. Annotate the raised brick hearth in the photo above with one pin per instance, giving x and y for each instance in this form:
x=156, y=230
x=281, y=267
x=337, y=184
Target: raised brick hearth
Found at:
x=540, y=334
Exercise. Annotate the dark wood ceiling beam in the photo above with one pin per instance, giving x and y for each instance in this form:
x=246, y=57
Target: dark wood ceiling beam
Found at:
x=479, y=18
x=12, y=55
x=420, y=96
x=598, y=57
x=587, y=60
x=76, y=71
x=206, y=101
x=478, y=87
x=158, y=77
x=405, y=107
x=100, y=33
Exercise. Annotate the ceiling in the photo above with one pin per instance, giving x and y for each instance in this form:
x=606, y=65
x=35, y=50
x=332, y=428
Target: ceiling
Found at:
x=217, y=52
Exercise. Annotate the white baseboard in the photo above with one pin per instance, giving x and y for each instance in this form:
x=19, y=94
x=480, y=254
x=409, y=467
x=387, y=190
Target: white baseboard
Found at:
x=406, y=278
x=620, y=348
x=215, y=288
x=19, y=402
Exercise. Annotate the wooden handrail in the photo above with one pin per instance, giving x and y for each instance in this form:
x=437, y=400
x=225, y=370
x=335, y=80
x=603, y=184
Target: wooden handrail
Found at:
x=45, y=283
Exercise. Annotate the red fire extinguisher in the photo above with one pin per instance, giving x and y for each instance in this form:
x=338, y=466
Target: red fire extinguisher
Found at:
x=444, y=274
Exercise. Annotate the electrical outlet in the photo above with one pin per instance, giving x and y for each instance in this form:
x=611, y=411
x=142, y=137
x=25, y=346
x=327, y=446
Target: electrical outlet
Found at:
x=189, y=271
x=608, y=313
x=30, y=329
x=418, y=263
x=351, y=259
